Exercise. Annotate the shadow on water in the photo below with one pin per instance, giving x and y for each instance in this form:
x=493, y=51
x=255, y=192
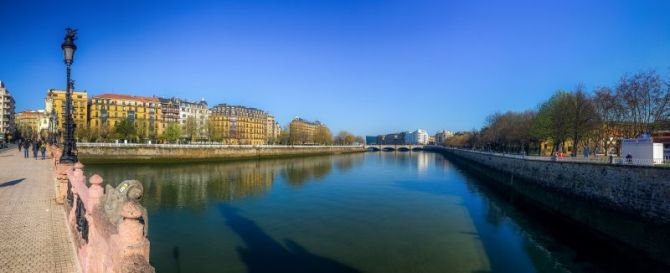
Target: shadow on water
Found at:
x=571, y=243
x=262, y=254
x=175, y=255
x=11, y=183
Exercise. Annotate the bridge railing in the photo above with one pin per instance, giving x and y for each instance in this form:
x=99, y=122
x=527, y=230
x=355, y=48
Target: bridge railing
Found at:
x=108, y=225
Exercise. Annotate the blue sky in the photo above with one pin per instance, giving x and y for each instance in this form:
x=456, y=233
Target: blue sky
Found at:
x=366, y=66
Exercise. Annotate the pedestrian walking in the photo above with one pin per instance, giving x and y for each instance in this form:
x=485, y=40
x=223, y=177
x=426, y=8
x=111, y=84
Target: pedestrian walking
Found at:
x=43, y=149
x=20, y=144
x=26, y=146
x=36, y=148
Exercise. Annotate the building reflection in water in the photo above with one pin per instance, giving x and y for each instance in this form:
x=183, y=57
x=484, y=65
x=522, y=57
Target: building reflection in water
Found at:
x=193, y=185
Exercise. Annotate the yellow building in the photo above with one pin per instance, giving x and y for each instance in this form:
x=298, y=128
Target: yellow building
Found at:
x=30, y=123
x=272, y=130
x=107, y=110
x=302, y=131
x=239, y=125
x=56, y=99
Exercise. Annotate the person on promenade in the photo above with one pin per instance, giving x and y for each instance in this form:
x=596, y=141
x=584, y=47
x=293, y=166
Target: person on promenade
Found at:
x=26, y=147
x=20, y=144
x=43, y=150
x=36, y=148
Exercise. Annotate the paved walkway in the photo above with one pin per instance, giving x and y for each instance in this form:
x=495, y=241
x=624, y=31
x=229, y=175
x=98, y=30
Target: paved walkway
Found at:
x=33, y=232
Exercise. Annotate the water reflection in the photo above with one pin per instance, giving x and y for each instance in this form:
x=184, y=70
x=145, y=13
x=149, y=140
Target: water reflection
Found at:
x=554, y=242
x=374, y=212
x=193, y=185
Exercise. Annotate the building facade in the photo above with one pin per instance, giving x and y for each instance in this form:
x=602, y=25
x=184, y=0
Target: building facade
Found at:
x=442, y=136
x=239, y=125
x=32, y=123
x=55, y=103
x=193, y=117
x=107, y=110
x=170, y=110
x=7, y=112
x=418, y=137
x=273, y=130
x=394, y=139
x=303, y=132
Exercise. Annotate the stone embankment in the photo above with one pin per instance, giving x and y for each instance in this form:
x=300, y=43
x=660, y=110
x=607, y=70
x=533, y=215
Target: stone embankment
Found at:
x=124, y=153
x=625, y=205
x=636, y=190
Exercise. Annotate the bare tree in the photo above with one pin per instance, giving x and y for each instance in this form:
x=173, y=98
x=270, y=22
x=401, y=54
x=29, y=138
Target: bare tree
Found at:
x=610, y=111
x=645, y=100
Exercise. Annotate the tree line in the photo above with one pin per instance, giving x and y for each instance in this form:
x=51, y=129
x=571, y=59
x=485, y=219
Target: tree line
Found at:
x=576, y=119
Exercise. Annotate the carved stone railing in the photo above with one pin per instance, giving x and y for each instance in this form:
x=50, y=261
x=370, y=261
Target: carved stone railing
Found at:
x=108, y=225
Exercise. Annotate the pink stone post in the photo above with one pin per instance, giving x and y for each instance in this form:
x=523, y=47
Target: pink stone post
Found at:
x=61, y=177
x=95, y=191
x=131, y=241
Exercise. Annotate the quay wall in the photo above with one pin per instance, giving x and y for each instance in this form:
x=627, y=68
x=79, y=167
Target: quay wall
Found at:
x=196, y=153
x=636, y=190
x=616, y=203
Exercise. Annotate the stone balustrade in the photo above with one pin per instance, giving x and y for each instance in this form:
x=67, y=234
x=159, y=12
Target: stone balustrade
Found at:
x=107, y=241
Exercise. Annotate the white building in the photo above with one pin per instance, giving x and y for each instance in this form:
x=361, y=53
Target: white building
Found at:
x=199, y=112
x=7, y=111
x=418, y=137
x=641, y=151
x=442, y=136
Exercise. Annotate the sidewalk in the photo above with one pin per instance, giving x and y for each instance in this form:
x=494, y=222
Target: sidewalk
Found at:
x=33, y=232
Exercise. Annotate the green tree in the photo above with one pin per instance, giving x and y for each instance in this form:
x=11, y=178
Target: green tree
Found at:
x=125, y=129
x=190, y=128
x=552, y=121
x=142, y=129
x=172, y=133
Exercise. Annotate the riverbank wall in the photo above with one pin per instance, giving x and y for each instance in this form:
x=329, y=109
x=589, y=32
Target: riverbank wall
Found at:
x=157, y=153
x=628, y=204
x=635, y=190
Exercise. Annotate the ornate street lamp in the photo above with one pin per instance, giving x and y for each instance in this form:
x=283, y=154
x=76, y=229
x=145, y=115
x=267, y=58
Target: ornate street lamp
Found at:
x=69, y=48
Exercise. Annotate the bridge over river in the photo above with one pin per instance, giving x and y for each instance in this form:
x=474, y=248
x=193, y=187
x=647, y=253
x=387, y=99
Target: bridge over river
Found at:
x=33, y=230
x=398, y=147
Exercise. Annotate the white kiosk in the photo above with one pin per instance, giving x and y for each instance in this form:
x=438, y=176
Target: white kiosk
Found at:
x=641, y=151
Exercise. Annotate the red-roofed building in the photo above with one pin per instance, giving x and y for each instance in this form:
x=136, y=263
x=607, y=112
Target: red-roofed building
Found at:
x=107, y=110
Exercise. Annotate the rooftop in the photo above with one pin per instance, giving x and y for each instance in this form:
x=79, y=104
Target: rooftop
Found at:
x=126, y=97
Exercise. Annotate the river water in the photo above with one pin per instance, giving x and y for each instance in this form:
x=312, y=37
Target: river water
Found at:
x=367, y=212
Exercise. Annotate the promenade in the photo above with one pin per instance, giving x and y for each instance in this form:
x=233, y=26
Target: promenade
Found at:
x=33, y=232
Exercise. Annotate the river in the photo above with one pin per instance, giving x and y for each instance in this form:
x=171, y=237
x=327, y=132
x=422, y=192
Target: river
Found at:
x=366, y=212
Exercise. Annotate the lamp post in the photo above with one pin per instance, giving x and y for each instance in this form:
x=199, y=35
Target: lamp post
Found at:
x=68, y=48
x=53, y=127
